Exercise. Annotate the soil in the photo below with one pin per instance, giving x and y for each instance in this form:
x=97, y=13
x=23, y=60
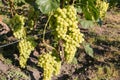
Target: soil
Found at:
x=104, y=65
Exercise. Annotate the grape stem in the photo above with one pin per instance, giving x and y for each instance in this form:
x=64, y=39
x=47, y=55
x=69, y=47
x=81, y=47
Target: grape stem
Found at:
x=50, y=47
x=45, y=44
x=61, y=3
x=46, y=26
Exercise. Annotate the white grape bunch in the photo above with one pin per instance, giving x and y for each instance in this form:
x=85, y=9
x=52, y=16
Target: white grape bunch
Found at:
x=17, y=25
x=27, y=44
x=50, y=65
x=102, y=5
x=25, y=47
x=64, y=23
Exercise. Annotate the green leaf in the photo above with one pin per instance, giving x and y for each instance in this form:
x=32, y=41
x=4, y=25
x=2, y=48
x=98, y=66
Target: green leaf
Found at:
x=88, y=50
x=86, y=23
x=89, y=10
x=46, y=6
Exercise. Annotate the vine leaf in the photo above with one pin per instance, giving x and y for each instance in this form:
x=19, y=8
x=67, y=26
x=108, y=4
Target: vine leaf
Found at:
x=89, y=9
x=86, y=23
x=46, y=6
x=89, y=50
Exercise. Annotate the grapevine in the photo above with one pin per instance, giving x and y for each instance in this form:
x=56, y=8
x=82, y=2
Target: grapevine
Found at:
x=49, y=64
x=64, y=22
x=30, y=18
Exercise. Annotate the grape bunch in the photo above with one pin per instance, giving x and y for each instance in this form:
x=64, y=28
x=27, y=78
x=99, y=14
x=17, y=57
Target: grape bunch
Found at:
x=102, y=5
x=64, y=23
x=25, y=47
x=17, y=25
x=49, y=64
x=27, y=44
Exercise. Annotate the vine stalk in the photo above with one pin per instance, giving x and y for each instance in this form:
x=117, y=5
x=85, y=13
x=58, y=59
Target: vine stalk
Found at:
x=46, y=26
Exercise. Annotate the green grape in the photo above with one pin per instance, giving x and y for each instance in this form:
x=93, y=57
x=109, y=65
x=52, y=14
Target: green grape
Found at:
x=50, y=65
x=19, y=34
x=70, y=52
x=31, y=24
x=25, y=47
x=102, y=6
x=17, y=25
x=64, y=22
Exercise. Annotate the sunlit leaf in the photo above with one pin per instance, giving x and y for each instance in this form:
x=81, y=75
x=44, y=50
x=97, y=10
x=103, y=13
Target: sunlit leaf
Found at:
x=46, y=6
x=89, y=10
x=86, y=23
x=88, y=50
